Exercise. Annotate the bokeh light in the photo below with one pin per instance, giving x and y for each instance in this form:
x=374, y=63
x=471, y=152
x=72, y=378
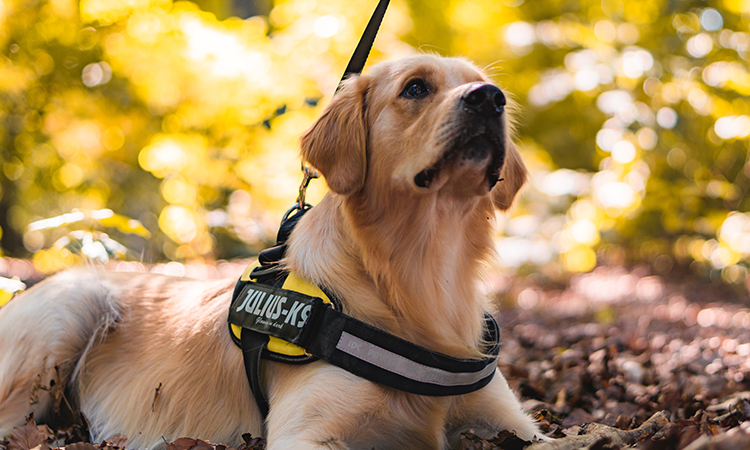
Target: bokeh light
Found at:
x=633, y=120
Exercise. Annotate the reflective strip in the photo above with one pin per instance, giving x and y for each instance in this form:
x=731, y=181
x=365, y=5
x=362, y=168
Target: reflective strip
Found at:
x=395, y=363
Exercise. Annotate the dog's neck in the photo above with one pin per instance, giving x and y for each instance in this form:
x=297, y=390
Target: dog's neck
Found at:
x=410, y=268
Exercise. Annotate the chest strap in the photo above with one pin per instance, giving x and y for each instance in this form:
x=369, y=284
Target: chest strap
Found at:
x=326, y=333
x=386, y=359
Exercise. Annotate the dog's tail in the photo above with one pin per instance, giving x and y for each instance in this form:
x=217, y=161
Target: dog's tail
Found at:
x=44, y=336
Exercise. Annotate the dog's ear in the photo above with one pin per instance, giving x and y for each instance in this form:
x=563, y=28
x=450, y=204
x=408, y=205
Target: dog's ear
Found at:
x=336, y=143
x=513, y=176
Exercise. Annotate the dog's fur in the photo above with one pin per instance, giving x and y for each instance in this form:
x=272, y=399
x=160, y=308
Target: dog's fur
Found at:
x=150, y=356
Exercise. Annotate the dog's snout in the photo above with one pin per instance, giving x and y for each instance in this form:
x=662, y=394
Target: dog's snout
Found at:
x=484, y=99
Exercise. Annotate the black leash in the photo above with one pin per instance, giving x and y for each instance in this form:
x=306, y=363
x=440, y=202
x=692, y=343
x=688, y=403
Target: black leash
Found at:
x=355, y=66
x=359, y=57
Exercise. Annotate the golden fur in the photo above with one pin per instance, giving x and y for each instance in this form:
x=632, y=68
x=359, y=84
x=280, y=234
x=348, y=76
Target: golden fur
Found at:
x=150, y=356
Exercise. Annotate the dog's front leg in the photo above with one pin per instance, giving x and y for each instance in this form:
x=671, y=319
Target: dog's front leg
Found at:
x=488, y=411
x=318, y=406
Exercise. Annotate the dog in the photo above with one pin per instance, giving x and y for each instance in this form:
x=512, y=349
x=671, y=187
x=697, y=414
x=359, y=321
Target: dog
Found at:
x=417, y=157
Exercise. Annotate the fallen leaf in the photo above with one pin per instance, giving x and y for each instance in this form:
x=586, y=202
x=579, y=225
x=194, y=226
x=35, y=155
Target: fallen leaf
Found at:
x=508, y=440
x=203, y=445
x=46, y=432
x=577, y=417
x=182, y=443
x=27, y=437
x=116, y=441
x=81, y=446
x=252, y=443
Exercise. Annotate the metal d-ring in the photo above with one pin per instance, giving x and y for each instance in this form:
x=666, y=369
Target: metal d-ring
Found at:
x=295, y=207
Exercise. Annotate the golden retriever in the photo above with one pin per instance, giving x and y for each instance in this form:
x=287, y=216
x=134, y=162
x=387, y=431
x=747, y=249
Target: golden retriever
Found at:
x=417, y=157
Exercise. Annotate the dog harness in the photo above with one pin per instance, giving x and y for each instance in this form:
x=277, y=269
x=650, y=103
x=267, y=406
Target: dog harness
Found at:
x=277, y=315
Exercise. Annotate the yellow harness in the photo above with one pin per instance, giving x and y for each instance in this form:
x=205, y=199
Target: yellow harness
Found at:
x=292, y=283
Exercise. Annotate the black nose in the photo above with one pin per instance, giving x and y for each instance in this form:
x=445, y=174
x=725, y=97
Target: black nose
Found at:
x=484, y=99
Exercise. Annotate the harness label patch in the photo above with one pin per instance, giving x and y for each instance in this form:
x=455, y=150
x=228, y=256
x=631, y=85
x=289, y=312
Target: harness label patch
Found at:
x=273, y=311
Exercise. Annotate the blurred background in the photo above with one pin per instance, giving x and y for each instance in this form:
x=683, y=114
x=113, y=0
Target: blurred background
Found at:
x=156, y=131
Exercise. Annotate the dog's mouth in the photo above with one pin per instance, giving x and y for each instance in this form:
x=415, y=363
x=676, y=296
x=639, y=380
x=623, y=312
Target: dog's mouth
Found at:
x=474, y=146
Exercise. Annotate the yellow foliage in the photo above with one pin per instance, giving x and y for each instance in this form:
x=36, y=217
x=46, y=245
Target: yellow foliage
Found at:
x=181, y=224
x=55, y=259
x=106, y=12
x=125, y=225
x=5, y=296
x=9, y=287
x=738, y=6
x=161, y=111
x=579, y=259
x=177, y=191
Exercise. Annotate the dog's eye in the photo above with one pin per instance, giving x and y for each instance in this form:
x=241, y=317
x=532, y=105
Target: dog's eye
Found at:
x=415, y=89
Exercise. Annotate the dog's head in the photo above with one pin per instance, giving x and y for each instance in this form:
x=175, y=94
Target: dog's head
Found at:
x=433, y=125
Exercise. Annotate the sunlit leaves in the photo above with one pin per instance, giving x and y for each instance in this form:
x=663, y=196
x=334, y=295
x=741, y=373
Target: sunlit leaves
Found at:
x=180, y=223
x=734, y=233
x=84, y=242
x=106, y=12
x=634, y=118
x=123, y=224
x=9, y=287
x=170, y=154
x=670, y=148
x=105, y=218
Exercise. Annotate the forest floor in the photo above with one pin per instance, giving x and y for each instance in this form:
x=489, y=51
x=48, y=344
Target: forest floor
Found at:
x=614, y=347
x=617, y=346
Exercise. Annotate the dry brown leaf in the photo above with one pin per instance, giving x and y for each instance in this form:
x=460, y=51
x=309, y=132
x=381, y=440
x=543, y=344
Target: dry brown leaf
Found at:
x=577, y=417
x=116, y=441
x=203, y=445
x=81, y=446
x=252, y=443
x=737, y=438
x=27, y=437
x=46, y=432
x=182, y=443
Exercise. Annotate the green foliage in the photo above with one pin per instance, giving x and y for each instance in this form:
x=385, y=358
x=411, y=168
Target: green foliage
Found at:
x=647, y=102
x=633, y=117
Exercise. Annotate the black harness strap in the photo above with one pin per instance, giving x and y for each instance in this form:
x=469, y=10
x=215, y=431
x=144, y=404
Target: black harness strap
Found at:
x=252, y=344
x=383, y=358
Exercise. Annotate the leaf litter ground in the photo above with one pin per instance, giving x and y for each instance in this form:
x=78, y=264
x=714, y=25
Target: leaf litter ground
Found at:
x=615, y=359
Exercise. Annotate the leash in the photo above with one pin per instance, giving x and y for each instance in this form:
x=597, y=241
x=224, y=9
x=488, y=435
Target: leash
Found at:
x=355, y=66
x=359, y=57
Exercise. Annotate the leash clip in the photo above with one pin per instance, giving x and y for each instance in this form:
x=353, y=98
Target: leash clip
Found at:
x=308, y=174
